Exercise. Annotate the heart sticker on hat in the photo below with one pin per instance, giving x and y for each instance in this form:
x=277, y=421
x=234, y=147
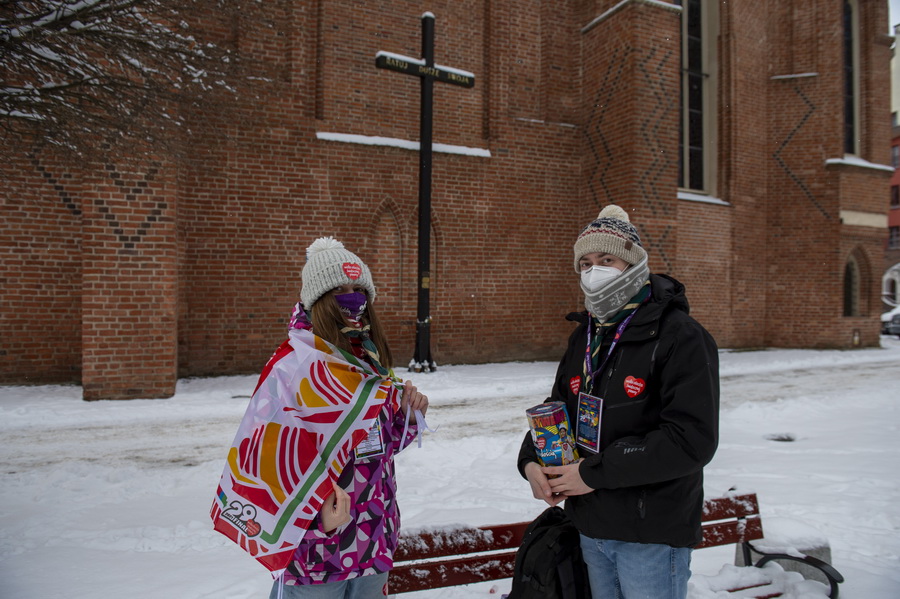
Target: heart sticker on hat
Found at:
x=633, y=386
x=352, y=270
x=575, y=384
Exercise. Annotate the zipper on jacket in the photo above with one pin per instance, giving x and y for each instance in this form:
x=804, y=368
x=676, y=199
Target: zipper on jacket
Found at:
x=610, y=369
x=653, y=360
x=642, y=507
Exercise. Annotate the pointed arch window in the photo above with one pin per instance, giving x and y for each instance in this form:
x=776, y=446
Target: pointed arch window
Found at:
x=889, y=292
x=697, y=107
x=851, y=77
x=851, y=288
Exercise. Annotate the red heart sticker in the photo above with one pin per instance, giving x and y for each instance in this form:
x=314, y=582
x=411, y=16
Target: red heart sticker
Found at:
x=575, y=384
x=633, y=386
x=352, y=270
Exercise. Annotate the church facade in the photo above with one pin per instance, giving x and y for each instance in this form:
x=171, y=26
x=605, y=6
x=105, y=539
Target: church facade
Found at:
x=748, y=140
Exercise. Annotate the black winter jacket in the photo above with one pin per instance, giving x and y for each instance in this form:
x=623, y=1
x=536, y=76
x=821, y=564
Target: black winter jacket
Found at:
x=648, y=476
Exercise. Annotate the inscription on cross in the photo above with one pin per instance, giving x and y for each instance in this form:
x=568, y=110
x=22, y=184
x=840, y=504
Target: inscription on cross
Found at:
x=428, y=73
x=416, y=66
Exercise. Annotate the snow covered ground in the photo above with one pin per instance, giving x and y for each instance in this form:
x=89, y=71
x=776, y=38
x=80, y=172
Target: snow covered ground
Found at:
x=111, y=499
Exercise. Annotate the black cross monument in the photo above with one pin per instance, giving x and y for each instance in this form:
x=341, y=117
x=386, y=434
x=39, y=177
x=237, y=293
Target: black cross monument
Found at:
x=428, y=72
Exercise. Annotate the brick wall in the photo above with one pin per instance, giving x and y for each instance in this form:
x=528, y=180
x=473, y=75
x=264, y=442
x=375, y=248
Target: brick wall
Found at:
x=125, y=278
x=744, y=52
x=41, y=281
x=809, y=245
x=129, y=283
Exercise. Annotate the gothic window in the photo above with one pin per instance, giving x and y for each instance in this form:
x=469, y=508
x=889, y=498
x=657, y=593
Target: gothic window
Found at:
x=851, y=77
x=697, y=109
x=851, y=288
x=890, y=291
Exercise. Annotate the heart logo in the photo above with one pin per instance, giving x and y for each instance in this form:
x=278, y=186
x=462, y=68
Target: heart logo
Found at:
x=253, y=528
x=575, y=384
x=352, y=270
x=633, y=386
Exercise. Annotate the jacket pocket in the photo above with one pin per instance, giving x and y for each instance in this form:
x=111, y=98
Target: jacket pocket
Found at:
x=320, y=554
x=626, y=404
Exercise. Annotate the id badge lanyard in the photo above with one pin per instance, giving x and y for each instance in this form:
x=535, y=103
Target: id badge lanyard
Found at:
x=588, y=363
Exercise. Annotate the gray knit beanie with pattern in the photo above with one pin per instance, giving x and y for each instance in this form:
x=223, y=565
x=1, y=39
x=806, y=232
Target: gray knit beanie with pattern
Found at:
x=328, y=265
x=610, y=233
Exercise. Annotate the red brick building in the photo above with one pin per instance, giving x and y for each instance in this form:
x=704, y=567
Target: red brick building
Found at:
x=746, y=139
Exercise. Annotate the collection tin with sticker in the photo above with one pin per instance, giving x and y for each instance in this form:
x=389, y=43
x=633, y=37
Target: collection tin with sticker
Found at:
x=551, y=434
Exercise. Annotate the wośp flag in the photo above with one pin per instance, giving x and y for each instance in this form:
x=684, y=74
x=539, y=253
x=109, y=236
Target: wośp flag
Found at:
x=313, y=404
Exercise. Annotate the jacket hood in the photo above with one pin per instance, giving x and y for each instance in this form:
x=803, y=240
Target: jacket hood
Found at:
x=669, y=291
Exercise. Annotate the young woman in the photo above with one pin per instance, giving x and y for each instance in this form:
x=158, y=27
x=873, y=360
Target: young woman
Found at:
x=347, y=550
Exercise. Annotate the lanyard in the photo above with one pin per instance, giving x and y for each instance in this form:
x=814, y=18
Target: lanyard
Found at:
x=588, y=363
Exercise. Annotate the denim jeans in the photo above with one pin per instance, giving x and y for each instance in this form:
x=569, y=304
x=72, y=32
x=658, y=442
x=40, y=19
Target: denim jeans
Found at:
x=620, y=570
x=362, y=587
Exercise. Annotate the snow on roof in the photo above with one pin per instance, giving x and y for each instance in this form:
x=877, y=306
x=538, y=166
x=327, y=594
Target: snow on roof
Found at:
x=369, y=140
x=698, y=197
x=857, y=161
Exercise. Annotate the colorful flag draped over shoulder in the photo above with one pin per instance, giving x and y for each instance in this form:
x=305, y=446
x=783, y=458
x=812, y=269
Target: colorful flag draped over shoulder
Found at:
x=313, y=404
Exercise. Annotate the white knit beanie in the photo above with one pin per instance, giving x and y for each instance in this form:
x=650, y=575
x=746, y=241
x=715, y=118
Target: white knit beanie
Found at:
x=329, y=265
x=610, y=233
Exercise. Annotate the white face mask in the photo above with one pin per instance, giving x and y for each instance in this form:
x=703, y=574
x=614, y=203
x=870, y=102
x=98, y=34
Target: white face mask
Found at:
x=596, y=277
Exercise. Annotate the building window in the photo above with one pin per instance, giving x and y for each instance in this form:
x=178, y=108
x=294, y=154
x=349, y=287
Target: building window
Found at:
x=890, y=283
x=895, y=196
x=895, y=155
x=851, y=77
x=894, y=238
x=889, y=292
x=851, y=288
x=697, y=110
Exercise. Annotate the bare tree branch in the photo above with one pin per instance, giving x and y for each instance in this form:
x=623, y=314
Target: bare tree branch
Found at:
x=83, y=75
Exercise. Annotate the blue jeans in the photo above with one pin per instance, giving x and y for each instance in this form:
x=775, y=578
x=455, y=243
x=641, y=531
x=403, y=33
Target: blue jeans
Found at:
x=620, y=570
x=362, y=587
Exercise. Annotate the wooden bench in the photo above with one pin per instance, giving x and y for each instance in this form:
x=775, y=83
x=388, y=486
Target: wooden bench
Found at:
x=438, y=558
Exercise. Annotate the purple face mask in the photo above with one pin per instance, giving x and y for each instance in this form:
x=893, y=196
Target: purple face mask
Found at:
x=352, y=304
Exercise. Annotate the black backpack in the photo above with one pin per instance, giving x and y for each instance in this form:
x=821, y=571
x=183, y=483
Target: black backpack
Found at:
x=548, y=562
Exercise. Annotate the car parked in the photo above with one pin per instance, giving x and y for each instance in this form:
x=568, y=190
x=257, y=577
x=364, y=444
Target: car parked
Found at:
x=890, y=322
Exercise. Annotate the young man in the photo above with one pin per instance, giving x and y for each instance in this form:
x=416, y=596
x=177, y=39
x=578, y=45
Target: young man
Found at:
x=636, y=495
